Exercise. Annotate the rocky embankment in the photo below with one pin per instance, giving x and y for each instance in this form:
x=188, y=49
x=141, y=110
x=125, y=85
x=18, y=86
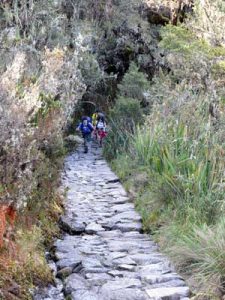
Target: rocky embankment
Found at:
x=103, y=253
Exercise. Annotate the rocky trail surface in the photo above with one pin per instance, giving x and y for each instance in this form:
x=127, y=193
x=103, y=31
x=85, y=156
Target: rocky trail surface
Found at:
x=103, y=255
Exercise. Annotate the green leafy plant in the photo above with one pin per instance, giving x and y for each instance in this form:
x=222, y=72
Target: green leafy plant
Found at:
x=48, y=104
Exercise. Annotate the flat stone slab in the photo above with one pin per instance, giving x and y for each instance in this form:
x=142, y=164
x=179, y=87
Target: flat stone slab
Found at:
x=84, y=295
x=169, y=293
x=126, y=227
x=70, y=226
x=123, y=294
x=122, y=283
x=93, y=228
x=75, y=282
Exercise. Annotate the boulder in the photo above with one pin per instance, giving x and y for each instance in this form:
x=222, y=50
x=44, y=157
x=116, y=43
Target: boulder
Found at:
x=73, y=139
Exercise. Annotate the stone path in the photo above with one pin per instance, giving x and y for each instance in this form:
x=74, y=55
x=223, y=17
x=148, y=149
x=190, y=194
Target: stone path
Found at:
x=103, y=255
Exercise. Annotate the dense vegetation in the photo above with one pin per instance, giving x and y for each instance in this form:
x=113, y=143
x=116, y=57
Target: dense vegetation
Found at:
x=40, y=85
x=165, y=87
x=167, y=145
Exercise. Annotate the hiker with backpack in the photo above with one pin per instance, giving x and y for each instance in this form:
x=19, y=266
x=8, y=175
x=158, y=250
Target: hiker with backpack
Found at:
x=100, y=128
x=86, y=128
x=94, y=117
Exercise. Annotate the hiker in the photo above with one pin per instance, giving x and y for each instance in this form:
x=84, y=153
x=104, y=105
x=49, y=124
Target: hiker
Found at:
x=94, y=122
x=86, y=128
x=94, y=117
x=100, y=128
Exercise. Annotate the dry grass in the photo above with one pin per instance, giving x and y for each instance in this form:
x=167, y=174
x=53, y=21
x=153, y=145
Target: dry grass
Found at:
x=23, y=264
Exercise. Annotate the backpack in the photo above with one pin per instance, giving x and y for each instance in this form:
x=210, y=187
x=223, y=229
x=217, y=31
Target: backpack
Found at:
x=86, y=126
x=101, y=117
x=100, y=125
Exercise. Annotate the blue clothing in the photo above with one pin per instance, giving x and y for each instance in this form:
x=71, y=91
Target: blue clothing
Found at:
x=86, y=118
x=86, y=128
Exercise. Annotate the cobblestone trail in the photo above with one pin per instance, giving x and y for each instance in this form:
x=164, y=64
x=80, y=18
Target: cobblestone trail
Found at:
x=103, y=255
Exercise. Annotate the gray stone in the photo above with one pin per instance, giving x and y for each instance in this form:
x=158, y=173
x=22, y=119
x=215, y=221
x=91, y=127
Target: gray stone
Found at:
x=143, y=258
x=171, y=283
x=97, y=276
x=123, y=294
x=116, y=255
x=68, y=262
x=84, y=295
x=65, y=272
x=159, y=278
x=91, y=262
x=153, y=269
x=93, y=228
x=126, y=267
x=127, y=215
x=122, y=283
x=73, y=139
x=126, y=227
x=168, y=293
x=119, y=208
x=71, y=226
x=75, y=282
x=116, y=273
x=124, y=260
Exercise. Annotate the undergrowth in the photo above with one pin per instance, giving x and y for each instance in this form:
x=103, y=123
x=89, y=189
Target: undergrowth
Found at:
x=173, y=160
x=23, y=265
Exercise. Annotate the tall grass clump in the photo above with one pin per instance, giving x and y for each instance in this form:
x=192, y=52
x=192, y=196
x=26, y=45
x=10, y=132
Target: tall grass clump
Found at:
x=197, y=251
x=190, y=167
x=184, y=149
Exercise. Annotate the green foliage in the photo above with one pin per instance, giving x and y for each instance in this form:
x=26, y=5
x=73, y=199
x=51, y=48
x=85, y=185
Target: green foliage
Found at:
x=189, y=56
x=199, y=250
x=123, y=119
x=28, y=267
x=117, y=140
x=48, y=104
x=179, y=39
x=219, y=68
x=134, y=83
x=189, y=169
x=20, y=91
x=181, y=148
x=90, y=69
x=127, y=112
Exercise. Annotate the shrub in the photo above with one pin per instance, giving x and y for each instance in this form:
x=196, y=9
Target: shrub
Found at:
x=134, y=84
x=200, y=252
x=127, y=111
x=122, y=121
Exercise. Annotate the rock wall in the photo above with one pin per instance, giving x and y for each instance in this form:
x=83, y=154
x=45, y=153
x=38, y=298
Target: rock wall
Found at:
x=40, y=85
x=163, y=12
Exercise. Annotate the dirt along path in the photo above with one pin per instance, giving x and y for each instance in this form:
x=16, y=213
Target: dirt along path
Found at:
x=103, y=255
